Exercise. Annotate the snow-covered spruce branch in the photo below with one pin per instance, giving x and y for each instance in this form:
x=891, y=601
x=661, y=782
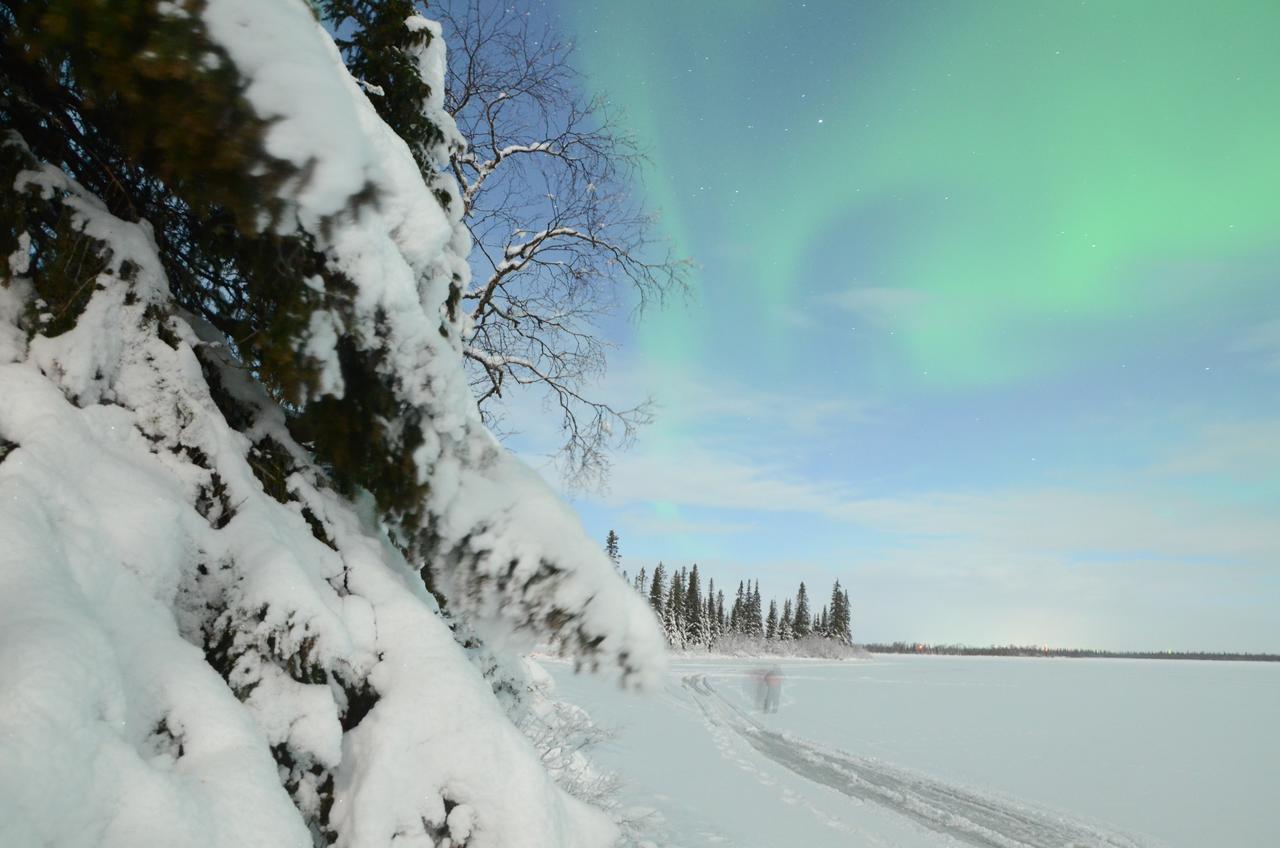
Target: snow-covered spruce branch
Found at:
x=240, y=463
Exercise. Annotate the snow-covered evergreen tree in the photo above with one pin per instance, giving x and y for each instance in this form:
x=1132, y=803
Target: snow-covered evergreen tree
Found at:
x=248, y=506
x=709, y=612
x=839, y=626
x=695, y=623
x=641, y=578
x=801, y=624
x=784, y=623
x=738, y=616
x=658, y=590
x=673, y=618
x=756, y=622
x=611, y=549
x=771, y=623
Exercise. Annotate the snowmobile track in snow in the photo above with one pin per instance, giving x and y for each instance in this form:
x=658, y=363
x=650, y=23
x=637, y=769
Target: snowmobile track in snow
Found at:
x=965, y=815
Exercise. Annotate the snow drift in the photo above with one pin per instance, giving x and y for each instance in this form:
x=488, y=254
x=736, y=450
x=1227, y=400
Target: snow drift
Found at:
x=202, y=640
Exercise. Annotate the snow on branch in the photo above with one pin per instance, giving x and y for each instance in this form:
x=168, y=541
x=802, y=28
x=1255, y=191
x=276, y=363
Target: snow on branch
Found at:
x=560, y=242
x=240, y=459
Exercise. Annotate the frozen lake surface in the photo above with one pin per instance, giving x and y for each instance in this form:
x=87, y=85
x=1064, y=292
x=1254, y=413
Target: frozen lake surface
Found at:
x=937, y=751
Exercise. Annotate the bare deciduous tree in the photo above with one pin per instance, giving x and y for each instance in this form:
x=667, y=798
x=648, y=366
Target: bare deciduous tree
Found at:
x=560, y=243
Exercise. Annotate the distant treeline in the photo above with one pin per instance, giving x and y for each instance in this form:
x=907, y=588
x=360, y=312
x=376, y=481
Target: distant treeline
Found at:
x=1044, y=651
x=696, y=622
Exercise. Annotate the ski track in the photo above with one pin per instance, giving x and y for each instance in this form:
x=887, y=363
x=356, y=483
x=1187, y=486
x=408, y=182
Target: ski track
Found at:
x=972, y=818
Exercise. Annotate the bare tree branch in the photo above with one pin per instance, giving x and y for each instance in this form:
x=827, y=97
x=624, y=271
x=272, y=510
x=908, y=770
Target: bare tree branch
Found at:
x=560, y=241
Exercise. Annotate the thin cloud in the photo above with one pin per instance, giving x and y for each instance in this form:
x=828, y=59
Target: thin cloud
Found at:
x=1141, y=516
x=645, y=521
x=882, y=303
x=691, y=401
x=1262, y=339
x=1244, y=450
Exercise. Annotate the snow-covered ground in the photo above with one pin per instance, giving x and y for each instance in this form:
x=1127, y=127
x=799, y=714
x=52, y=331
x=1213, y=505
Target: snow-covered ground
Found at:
x=938, y=751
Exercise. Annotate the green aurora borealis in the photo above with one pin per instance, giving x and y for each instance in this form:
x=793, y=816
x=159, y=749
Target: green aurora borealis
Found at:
x=986, y=318
x=1036, y=168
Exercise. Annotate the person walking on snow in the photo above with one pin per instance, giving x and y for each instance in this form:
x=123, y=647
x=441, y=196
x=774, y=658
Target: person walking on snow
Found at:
x=772, y=689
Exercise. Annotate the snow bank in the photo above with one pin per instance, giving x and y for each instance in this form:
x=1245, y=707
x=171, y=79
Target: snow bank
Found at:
x=187, y=659
x=500, y=523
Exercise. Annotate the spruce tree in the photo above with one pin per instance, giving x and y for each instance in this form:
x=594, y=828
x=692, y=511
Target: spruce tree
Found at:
x=784, y=624
x=771, y=623
x=695, y=625
x=658, y=590
x=709, y=613
x=738, y=617
x=839, y=627
x=802, y=624
x=757, y=617
x=641, y=581
x=824, y=625
x=611, y=548
x=848, y=618
x=674, y=617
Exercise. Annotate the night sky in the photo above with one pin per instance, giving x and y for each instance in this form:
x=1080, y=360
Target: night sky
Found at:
x=986, y=319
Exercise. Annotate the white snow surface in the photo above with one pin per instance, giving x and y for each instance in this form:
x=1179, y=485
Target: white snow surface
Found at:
x=122, y=565
x=403, y=255
x=948, y=752
x=107, y=567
